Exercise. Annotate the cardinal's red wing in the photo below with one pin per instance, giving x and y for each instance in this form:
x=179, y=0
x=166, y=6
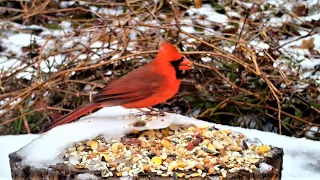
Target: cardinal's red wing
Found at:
x=138, y=84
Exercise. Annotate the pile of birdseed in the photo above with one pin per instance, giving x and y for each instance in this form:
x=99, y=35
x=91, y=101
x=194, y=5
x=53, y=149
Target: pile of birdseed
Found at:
x=176, y=151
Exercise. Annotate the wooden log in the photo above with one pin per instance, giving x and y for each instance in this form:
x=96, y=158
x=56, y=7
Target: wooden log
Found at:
x=20, y=171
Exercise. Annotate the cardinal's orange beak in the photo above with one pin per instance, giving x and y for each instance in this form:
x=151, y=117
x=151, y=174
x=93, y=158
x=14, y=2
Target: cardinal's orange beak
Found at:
x=185, y=65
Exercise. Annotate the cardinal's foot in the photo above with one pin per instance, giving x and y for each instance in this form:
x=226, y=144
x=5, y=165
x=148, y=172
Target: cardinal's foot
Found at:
x=152, y=112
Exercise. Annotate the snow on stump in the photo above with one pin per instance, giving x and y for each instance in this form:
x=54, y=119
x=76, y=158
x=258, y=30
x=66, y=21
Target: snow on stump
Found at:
x=114, y=143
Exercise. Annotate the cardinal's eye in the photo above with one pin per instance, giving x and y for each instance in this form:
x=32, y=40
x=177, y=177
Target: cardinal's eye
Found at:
x=176, y=63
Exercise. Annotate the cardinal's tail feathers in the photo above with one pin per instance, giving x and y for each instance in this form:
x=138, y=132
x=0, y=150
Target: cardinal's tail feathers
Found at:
x=73, y=115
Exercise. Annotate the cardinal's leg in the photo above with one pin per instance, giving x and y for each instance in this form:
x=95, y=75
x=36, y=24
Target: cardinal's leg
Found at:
x=152, y=112
x=159, y=112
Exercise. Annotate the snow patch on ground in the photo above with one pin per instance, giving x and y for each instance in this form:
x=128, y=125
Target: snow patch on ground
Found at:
x=209, y=12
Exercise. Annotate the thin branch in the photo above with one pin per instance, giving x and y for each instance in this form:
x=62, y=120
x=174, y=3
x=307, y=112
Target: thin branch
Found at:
x=227, y=80
x=25, y=121
x=301, y=37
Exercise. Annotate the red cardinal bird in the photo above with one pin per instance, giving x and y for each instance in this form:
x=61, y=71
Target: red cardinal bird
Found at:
x=146, y=86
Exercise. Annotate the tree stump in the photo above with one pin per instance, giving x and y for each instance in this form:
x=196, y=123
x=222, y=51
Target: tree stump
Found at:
x=174, y=152
x=62, y=171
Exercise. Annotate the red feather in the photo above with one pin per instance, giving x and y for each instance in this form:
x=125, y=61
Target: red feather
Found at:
x=143, y=87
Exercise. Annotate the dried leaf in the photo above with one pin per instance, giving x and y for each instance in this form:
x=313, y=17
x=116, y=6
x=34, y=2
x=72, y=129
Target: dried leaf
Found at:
x=197, y=3
x=307, y=44
x=103, y=36
x=314, y=52
x=231, y=30
x=300, y=10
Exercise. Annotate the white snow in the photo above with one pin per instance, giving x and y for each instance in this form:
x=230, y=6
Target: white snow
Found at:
x=66, y=24
x=264, y=167
x=302, y=57
x=312, y=130
x=10, y=144
x=301, y=157
x=278, y=21
x=299, y=42
x=309, y=63
x=260, y=45
x=6, y=64
x=312, y=17
x=209, y=12
x=233, y=14
x=22, y=39
x=65, y=4
x=87, y=176
x=110, y=11
x=206, y=59
x=187, y=26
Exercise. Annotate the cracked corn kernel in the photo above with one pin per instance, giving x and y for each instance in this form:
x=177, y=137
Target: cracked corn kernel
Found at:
x=156, y=161
x=228, y=140
x=227, y=131
x=206, y=160
x=253, y=160
x=206, y=141
x=180, y=151
x=165, y=143
x=143, y=144
x=101, y=148
x=80, y=166
x=135, y=159
x=196, y=130
x=191, y=128
x=236, y=148
x=91, y=156
x=215, y=132
x=224, y=174
x=195, y=175
x=159, y=134
x=173, y=127
x=169, y=160
x=182, y=164
x=263, y=149
x=116, y=147
x=149, y=134
x=147, y=168
x=94, y=145
x=217, y=145
x=165, y=132
x=106, y=157
x=199, y=166
x=173, y=165
x=211, y=147
x=203, y=126
x=211, y=170
x=225, y=158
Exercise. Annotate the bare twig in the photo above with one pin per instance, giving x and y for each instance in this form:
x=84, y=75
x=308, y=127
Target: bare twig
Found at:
x=25, y=121
x=153, y=15
x=227, y=80
x=311, y=32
